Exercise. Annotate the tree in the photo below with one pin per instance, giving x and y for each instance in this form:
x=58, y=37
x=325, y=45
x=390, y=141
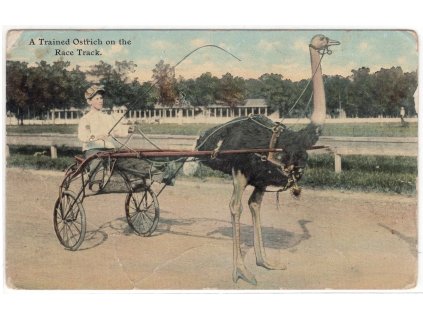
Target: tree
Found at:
x=254, y=88
x=16, y=87
x=199, y=92
x=48, y=87
x=390, y=90
x=280, y=93
x=231, y=90
x=34, y=91
x=76, y=86
x=360, y=94
x=142, y=96
x=336, y=93
x=164, y=79
x=381, y=93
x=408, y=84
x=207, y=89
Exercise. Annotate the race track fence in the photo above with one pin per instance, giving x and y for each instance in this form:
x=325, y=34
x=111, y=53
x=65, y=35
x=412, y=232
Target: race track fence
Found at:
x=338, y=146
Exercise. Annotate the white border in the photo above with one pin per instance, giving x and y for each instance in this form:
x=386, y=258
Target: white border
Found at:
x=357, y=14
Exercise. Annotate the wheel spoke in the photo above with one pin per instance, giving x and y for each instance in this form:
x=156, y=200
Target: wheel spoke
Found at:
x=70, y=232
x=144, y=226
x=72, y=237
x=69, y=219
x=132, y=213
x=66, y=213
x=133, y=204
x=62, y=230
x=76, y=217
x=145, y=214
x=145, y=201
x=142, y=211
x=77, y=228
x=65, y=233
x=59, y=216
x=134, y=216
x=139, y=221
x=142, y=199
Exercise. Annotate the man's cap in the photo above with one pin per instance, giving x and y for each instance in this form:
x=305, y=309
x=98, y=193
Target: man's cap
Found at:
x=90, y=92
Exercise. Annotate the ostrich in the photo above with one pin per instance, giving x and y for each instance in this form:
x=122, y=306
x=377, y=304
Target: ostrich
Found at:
x=281, y=169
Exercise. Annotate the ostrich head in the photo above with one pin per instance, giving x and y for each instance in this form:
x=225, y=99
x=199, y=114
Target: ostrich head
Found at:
x=320, y=42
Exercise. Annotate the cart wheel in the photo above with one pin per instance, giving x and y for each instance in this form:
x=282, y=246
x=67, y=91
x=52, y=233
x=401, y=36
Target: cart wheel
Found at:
x=142, y=211
x=69, y=220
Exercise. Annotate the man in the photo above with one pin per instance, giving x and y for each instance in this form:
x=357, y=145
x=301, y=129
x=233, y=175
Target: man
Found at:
x=94, y=128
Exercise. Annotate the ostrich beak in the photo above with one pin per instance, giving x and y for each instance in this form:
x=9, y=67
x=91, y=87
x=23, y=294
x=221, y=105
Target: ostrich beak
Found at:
x=333, y=42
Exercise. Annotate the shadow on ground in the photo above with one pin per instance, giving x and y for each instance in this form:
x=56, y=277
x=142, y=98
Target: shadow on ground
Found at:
x=197, y=227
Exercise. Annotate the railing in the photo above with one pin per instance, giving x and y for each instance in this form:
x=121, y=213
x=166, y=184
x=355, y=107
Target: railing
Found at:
x=187, y=117
x=338, y=146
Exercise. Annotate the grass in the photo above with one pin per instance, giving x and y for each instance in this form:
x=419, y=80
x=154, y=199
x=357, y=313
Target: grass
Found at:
x=351, y=130
x=371, y=130
x=24, y=157
x=363, y=173
x=360, y=173
x=39, y=129
x=39, y=163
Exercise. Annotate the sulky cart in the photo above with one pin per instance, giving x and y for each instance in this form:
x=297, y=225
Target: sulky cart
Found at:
x=131, y=172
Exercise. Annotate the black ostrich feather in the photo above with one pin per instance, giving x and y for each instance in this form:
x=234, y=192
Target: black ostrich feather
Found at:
x=252, y=133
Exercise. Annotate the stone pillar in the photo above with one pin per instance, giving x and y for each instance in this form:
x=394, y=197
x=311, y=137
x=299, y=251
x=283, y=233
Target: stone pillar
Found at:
x=53, y=151
x=338, y=163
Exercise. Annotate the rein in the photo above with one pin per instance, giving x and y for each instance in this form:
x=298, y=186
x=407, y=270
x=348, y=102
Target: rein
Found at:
x=312, y=76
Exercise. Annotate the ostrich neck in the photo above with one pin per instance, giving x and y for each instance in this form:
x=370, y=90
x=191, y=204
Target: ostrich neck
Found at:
x=319, y=100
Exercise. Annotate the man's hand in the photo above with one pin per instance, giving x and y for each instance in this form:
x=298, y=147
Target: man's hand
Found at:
x=99, y=137
x=103, y=137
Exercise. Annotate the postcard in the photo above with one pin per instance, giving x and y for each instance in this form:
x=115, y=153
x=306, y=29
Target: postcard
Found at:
x=223, y=159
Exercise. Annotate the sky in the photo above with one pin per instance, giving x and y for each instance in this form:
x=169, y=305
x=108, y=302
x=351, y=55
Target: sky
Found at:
x=261, y=51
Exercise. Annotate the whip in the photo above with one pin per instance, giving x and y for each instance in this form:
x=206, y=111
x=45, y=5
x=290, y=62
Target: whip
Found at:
x=173, y=67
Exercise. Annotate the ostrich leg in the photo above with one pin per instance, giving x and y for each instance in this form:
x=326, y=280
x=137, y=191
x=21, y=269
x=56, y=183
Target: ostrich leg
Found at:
x=239, y=271
x=255, y=203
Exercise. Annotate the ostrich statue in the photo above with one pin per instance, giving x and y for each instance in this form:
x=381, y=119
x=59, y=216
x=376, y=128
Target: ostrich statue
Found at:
x=281, y=169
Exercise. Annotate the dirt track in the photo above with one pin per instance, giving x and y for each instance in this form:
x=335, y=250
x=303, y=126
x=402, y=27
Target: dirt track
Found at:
x=327, y=239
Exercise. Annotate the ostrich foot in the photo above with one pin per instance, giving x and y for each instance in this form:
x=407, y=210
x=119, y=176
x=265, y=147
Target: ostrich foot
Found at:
x=271, y=266
x=243, y=273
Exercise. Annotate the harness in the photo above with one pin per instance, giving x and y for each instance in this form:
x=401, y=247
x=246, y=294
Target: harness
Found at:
x=276, y=132
x=288, y=171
